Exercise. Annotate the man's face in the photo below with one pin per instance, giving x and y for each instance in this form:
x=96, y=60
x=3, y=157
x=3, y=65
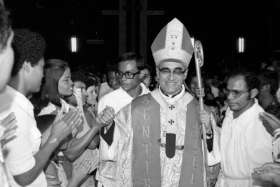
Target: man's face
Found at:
x=6, y=63
x=238, y=95
x=171, y=76
x=113, y=80
x=36, y=75
x=130, y=82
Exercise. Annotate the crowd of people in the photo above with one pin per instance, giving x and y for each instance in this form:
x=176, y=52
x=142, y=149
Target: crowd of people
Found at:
x=67, y=127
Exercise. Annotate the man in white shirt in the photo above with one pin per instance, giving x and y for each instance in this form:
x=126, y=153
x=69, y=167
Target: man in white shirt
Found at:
x=245, y=144
x=26, y=159
x=129, y=67
x=6, y=64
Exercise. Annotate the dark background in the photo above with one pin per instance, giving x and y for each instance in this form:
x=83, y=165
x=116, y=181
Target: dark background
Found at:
x=104, y=35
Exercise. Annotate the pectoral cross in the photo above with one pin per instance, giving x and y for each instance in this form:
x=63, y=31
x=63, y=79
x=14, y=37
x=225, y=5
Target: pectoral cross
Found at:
x=171, y=107
x=171, y=122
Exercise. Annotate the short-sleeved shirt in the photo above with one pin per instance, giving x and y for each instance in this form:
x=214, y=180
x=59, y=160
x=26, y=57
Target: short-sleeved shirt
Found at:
x=22, y=149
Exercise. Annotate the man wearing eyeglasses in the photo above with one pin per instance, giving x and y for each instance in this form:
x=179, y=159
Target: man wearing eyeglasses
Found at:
x=129, y=67
x=160, y=142
x=245, y=144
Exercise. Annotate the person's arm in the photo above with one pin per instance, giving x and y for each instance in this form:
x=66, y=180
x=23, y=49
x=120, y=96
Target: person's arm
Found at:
x=270, y=122
x=60, y=130
x=41, y=159
x=8, y=129
x=94, y=143
x=269, y=173
x=77, y=146
x=272, y=126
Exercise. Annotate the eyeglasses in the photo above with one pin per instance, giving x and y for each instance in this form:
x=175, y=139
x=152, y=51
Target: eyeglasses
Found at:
x=176, y=72
x=127, y=74
x=235, y=93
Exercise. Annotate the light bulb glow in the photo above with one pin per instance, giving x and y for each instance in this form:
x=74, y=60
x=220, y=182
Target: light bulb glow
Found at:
x=74, y=44
x=241, y=45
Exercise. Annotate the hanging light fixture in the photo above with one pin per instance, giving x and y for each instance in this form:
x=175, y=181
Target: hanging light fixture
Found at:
x=74, y=44
x=240, y=45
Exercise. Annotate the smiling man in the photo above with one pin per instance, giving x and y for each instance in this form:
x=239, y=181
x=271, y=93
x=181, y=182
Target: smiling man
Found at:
x=245, y=144
x=159, y=140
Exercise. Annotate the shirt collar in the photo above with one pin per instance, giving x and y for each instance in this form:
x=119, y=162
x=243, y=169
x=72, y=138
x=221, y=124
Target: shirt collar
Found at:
x=14, y=96
x=173, y=98
x=145, y=90
x=254, y=109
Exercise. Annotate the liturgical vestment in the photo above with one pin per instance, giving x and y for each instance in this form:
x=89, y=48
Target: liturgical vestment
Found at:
x=143, y=157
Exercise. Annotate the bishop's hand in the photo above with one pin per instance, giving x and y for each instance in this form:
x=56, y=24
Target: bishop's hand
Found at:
x=205, y=118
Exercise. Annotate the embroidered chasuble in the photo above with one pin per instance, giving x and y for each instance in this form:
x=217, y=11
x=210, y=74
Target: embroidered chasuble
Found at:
x=141, y=157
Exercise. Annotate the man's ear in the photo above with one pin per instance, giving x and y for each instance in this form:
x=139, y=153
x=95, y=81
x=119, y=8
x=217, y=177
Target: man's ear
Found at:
x=186, y=74
x=157, y=74
x=253, y=93
x=141, y=75
x=26, y=66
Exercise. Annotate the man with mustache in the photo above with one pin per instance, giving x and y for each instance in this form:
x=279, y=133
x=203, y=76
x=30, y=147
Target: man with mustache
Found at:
x=245, y=144
x=159, y=142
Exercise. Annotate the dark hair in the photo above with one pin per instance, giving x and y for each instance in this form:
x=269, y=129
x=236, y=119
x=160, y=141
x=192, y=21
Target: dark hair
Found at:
x=92, y=80
x=44, y=122
x=132, y=56
x=268, y=77
x=111, y=67
x=5, y=27
x=251, y=79
x=79, y=75
x=86, y=77
x=28, y=46
x=54, y=69
x=148, y=67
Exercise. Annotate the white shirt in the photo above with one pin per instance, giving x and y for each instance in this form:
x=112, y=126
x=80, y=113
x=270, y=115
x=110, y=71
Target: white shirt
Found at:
x=28, y=138
x=104, y=89
x=245, y=145
x=118, y=99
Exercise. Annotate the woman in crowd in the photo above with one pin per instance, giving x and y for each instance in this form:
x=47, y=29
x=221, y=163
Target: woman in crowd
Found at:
x=57, y=87
x=84, y=99
x=93, y=87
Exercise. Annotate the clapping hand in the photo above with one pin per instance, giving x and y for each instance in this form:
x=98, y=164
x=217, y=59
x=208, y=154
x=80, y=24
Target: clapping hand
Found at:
x=270, y=122
x=8, y=129
x=106, y=117
x=64, y=126
x=268, y=173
